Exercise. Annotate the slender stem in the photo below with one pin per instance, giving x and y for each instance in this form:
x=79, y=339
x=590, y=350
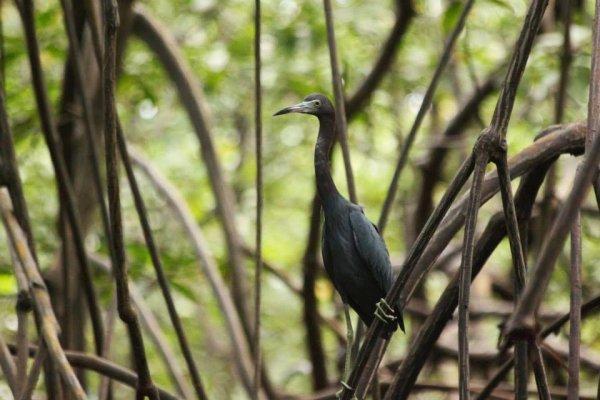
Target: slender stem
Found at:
x=336, y=79
x=575, y=314
x=512, y=228
x=67, y=197
x=31, y=380
x=405, y=13
x=540, y=373
x=89, y=127
x=189, y=90
x=207, y=264
x=145, y=386
x=7, y=365
x=425, y=104
x=310, y=268
x=23, y=307
x=259, y=198
x=103, y=367
x=158, y=266
x=517, y=65
x=466, y=269
x=106, y=386
x=45, y=318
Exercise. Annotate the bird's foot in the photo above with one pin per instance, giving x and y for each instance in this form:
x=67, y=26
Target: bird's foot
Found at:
x=385, y=313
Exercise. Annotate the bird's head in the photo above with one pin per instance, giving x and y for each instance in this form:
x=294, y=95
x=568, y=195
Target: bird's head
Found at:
x=313, y=104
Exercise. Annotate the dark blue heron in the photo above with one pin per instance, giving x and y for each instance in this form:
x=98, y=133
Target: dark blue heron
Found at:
x=354, y=253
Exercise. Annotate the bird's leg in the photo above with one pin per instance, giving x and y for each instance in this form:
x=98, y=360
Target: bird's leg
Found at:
x=385, y=313
x=349, y=345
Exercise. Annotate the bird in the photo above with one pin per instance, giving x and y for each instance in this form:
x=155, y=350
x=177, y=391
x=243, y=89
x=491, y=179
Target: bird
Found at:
x=354, y=253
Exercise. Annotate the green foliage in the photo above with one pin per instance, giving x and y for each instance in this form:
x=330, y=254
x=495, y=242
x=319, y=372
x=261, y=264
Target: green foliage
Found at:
x=216, y=40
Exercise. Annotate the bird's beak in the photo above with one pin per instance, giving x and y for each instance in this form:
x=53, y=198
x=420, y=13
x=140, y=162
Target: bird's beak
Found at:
x=305, y=107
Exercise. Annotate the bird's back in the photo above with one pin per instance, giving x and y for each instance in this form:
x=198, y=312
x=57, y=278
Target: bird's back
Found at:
x=355, y=258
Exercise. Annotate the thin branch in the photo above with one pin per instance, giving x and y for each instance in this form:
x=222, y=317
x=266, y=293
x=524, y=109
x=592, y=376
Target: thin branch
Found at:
x=151, y=325
x=540, y=373
x=7, y=365
x=310, y=269
x=575, y=314
x=518, y=259
x=161, y=42
x=34, y=374
x=259, y=199
x=67, y=197
x=105, y=391
x=103, y=367
x=46, y=321
x=425, y=104
x=554, y=141
x=522, y=321
x=431, y=169
x=341, y=124
x=206, y=263
x=158, y=267
x=149, y=321
x=404, y=15
x=145, y=386
x=466, y=270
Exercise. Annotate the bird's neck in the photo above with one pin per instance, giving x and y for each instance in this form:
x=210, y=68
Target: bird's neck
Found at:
x=325, y=185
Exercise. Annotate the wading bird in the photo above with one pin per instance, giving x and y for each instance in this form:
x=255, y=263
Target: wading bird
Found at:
x=354, y=253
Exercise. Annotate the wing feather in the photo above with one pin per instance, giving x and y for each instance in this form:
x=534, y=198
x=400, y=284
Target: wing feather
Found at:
x=371, y=248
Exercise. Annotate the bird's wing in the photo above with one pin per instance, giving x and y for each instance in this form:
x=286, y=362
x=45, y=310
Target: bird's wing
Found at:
x=371, y=248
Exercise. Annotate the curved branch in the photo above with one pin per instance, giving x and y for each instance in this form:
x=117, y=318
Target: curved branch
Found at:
x=102, y=366
x=206, y=263
x=404, y=15
x=160, y=41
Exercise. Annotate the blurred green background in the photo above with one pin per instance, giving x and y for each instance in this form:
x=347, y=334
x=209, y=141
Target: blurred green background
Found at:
x=216, y=39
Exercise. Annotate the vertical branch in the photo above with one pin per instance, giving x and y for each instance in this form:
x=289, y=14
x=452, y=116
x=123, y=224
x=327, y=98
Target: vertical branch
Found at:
x=518, y=255
x=90, y=131
x=575, y=308
x=518, y=259
x=9, y=176
x=105, y=388
x=145, y=386
x=311, y=320
x=540, y=373
x=425, y=104
x=466, y=269
x=259, y=198
x=158, y=266
x=566, y=57
x=67, y=197
x=31, y=381
x=560, y=104
x=338, y=91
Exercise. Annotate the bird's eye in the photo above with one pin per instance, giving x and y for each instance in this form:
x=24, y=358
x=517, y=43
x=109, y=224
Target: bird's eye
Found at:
x=317, y=103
